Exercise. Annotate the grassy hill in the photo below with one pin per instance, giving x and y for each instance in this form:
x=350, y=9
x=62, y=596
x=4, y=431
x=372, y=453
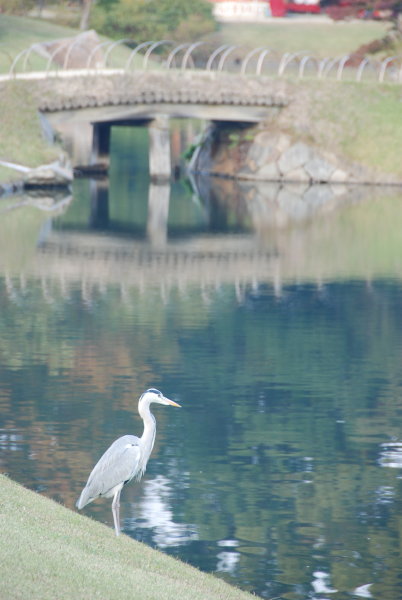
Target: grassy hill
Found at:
x=321, y=37
x=18, y=33
x=48, y=552
x=366, y=128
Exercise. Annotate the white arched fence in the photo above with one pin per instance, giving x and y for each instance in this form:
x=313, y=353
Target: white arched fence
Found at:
x=129, y=57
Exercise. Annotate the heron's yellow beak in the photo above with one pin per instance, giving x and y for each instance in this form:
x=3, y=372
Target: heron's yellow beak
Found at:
x=173, y=403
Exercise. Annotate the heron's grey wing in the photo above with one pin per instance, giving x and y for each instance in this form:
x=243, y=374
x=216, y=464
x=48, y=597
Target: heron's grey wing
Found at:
x=116, y=466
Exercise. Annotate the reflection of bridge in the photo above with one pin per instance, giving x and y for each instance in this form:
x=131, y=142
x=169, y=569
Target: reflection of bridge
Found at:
x=269, y=251
x=204, y=261
x=94, y=263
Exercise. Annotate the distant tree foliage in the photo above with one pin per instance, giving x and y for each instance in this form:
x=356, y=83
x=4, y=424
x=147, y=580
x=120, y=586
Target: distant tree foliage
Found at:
x=16, y=7
x=363, y=9
x=182, y=20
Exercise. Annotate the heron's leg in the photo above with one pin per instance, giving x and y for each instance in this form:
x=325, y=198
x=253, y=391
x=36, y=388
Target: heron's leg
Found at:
x=116, y=511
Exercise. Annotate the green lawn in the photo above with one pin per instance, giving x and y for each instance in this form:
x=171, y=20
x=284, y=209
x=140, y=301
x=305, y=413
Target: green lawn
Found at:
x=322, y=38
x=49, y=552
x=362, y=122
x=19, y=33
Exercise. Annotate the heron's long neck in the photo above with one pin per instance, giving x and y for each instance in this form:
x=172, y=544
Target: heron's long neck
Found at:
x=148, y=436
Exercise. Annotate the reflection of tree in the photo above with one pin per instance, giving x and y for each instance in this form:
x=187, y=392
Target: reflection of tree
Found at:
x=307, y=382
x=286, y=402
x=19, y=230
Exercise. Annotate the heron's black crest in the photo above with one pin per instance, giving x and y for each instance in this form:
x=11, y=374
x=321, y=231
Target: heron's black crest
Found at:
x=154, y=391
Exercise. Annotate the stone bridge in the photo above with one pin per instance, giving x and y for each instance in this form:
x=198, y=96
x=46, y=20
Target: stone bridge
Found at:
x=82, y=93
x=91, y=105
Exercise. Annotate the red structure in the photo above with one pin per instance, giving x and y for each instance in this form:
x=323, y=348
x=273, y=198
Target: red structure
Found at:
x=303, y=6
x=261, y=10
x=278, y=8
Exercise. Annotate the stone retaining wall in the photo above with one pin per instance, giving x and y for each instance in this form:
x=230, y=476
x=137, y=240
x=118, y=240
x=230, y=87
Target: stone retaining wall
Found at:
x=263, y=153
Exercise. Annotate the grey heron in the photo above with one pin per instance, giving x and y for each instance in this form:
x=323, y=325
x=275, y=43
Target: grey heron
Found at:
x=124, y=460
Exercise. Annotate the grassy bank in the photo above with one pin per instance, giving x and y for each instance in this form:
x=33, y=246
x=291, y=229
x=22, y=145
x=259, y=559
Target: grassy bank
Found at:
x=17, y=33
x=47, y=551
x=21, y=137
x=325, y=38
x=322, y=38
x=361, y=122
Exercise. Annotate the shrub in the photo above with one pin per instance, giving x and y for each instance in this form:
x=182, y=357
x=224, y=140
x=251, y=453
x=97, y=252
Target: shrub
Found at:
x=153, y=19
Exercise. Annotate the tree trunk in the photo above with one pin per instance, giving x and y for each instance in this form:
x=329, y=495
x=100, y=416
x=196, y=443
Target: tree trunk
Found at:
x=86, y=11
x=399, y=22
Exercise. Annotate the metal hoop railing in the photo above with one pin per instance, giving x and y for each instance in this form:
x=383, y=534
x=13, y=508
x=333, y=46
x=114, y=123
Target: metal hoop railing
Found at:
x=322, y=65
x=151, y=49
x=16, y=59
x=342, y=63
x=287, y=59
x=170, y=61
x=247, y=59
x=299, y=64
x=187, y=54
x=304, y=62
x=27, y=55
x=362, y=66
x=384, y=66
x=261, y=59
x=214, y=54
x=76, y=42
x=54, y=54
x=135, y=52
x=224, y=56
x=94, y=50
x=114, y=45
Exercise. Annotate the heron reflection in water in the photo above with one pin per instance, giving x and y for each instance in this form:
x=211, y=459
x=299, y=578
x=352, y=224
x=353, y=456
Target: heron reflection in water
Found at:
x=124, y=460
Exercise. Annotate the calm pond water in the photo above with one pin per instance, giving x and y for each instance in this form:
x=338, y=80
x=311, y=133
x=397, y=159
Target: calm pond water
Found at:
x=277, y=328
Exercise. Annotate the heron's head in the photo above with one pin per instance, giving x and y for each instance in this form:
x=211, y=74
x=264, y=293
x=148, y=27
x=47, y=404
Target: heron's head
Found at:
x=154, y=395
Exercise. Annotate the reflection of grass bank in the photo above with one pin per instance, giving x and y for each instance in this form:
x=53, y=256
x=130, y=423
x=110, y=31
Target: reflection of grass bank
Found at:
x=49, y=552
x=19, y=232
x=362, y=240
